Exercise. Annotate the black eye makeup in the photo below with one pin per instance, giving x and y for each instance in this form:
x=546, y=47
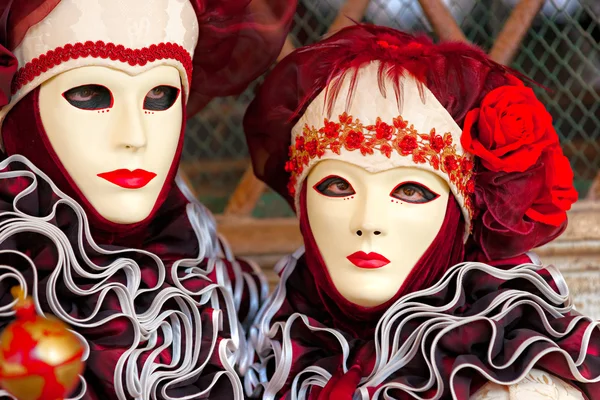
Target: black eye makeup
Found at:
x=412, y=192
x=334, y=186
x=89, y=97
x=161, y=98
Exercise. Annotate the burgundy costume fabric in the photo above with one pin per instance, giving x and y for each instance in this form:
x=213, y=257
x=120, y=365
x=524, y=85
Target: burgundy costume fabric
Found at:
x=246, y=34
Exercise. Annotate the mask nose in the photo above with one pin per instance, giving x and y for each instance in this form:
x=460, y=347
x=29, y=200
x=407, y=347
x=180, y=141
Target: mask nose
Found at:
x=360, y=232
x=369, y=219
x=130, y=133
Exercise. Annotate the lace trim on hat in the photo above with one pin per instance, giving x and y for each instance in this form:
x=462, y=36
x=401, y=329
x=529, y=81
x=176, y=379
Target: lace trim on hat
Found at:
x=399, y=137
x=100, y=49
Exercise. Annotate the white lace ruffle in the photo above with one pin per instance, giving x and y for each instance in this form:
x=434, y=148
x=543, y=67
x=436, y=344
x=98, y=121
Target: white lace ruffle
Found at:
x=391, y=354
x=180, y=327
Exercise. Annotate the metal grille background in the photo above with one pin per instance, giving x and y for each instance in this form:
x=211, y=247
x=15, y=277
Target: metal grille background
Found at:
x=561, y=51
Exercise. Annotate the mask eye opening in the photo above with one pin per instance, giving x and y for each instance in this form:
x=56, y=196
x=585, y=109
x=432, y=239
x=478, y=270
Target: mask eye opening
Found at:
x=334, y=186
x=89, y=97
x=413, y=192
x=161, y=98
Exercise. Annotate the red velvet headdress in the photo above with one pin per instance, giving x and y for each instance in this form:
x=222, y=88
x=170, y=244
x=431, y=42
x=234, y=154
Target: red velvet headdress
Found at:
x=523, y=183
x=219, y=52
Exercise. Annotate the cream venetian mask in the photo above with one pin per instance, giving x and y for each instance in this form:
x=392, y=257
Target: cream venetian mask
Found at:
x=374, y=216
x=115, y=134
x=372, y=228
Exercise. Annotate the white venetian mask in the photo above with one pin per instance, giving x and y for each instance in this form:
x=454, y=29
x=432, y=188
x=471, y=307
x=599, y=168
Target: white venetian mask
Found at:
x=115, y=134
x=372, y=228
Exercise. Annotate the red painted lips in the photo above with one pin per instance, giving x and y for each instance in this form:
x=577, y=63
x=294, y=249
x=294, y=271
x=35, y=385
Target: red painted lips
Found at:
x=368, y=261
x=128, y=179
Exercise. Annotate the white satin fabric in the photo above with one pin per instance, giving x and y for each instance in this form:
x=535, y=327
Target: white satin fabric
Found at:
x=537, y=385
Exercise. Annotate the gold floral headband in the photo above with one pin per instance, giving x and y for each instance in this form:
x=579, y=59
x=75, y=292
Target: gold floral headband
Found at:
x=396, y=139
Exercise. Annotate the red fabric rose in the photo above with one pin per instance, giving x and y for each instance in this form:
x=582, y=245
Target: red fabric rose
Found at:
x=523, y=210
x=550, y=208
x=331, y=129
x=300, y=143
x=354, y=140
x=509, y=131
x=311, y=147
x=436, y=143
x=408, y=144
x=383, y=130
x=524, y=183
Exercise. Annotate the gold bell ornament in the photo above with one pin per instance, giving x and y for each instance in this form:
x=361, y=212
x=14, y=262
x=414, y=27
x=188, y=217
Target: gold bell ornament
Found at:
x=40, y=359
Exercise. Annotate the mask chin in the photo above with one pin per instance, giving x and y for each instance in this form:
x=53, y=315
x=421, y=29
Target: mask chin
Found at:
x=24, y=133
